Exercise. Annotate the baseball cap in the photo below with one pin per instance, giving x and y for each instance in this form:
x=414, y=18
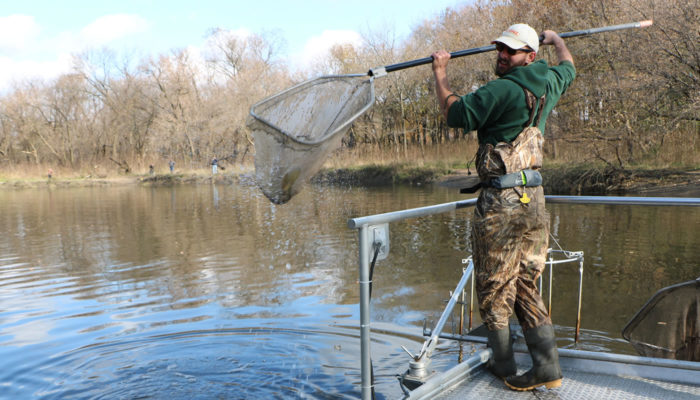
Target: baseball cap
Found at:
x=518, y=36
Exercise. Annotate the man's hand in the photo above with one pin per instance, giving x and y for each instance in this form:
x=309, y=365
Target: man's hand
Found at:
x=442, y=87
x=551, y=37
x=440, y=60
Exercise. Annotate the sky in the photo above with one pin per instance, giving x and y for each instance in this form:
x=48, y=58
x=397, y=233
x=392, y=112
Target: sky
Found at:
x=39, y=37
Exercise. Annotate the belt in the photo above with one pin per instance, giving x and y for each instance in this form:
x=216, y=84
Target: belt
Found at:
x=526, y=177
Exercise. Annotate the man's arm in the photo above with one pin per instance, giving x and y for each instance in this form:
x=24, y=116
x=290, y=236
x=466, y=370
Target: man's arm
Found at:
x=563, y=54
x=445, y=96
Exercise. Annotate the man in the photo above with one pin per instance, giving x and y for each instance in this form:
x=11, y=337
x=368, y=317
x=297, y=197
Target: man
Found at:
x=510, y=228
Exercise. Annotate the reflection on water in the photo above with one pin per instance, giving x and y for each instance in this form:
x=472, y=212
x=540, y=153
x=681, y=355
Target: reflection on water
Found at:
x=212, y=291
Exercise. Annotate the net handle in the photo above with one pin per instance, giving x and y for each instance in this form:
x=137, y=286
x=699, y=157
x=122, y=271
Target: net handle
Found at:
x=380, y=71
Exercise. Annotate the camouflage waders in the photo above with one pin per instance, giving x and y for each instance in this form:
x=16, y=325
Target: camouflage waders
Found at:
x=510, y=233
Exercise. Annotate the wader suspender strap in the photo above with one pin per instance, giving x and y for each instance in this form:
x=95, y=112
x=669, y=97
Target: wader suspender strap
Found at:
x=535, y=113
x=531, y=101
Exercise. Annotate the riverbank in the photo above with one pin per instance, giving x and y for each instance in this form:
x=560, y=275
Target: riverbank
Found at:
x=593, y=181
x=195, y=177
x=577, y=180
x=558, y=180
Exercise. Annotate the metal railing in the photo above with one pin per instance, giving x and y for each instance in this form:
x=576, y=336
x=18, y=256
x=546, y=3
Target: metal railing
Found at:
x=372, y=234
x=568, y=257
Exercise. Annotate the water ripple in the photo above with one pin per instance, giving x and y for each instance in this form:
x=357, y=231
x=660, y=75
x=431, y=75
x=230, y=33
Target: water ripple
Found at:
x=237, y=363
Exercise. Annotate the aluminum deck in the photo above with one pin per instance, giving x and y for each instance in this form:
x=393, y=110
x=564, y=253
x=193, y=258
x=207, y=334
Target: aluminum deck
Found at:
x=587, y=375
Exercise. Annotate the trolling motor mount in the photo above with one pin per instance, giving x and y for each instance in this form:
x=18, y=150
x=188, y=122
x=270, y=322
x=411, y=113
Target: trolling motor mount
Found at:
x=417, y=373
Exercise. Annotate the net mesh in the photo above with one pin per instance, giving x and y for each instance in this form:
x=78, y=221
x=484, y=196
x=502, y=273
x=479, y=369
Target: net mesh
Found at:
x=668, y=325
x=295, y=130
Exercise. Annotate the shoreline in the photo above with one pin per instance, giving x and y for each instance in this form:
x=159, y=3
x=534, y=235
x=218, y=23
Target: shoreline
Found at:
x=562, y=181
x=123, y=180
x=578, y=181
x=558, y=180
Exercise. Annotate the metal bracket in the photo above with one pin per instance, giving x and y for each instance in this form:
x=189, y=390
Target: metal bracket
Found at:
x=379, y=235
x=377, y=72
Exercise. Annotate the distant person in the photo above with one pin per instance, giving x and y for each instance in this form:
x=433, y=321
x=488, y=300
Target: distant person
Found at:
x=50, y=173
x=171, y=164
x=151, y=170
x=214, y=165
x=510, y=228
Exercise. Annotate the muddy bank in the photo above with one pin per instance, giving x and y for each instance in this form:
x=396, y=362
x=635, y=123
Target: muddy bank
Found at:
x=558, y=180
x=150, y=180
x=176, y=179
x=381, y=175
x=65, y=182
x=612, y=181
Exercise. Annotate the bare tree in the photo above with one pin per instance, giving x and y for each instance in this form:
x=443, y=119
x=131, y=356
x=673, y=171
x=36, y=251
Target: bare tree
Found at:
x=636, y=97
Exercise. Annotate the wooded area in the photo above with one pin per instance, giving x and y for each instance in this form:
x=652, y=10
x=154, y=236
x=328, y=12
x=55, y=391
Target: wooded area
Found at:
x=636, y=99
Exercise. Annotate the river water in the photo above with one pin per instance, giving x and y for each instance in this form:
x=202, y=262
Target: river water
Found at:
x=211, y=291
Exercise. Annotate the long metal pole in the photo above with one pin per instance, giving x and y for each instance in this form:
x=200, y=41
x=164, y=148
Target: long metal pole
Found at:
x=580, y=295
x=356, y=223
x=471, y=303
x=585, y=32
x=621, y=200
x=365, y=354
x=394, y=216
x=551, y=277
x=477, y=50
x=461, y=312
x=430, y=344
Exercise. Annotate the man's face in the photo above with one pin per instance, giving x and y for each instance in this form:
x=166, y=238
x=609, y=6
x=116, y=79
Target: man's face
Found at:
x=508, y=58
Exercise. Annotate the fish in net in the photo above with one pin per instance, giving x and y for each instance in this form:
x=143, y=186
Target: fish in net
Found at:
x=295, y=131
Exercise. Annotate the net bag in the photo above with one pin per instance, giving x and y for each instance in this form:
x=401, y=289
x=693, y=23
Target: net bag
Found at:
x=295, y=130
x=668, y=325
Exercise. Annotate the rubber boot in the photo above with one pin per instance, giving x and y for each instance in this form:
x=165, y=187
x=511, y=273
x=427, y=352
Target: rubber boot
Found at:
x=502, y=362
x=545, y=361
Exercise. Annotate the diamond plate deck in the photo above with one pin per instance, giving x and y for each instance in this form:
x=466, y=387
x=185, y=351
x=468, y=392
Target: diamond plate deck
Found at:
x=576, y=385
x=622, y=377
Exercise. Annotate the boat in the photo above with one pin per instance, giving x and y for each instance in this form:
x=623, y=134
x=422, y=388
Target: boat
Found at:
x=587, y=374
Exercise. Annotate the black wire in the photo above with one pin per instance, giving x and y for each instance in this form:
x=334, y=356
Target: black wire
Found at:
x=371, y=374
x=404, y=389
x=371, y=267
x=371, y=273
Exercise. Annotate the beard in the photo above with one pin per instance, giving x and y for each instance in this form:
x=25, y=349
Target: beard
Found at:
x=500, y=70
x=504, y=66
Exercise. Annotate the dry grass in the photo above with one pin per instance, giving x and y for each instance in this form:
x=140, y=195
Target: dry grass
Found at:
x=680, y=150
x=108, y=171
x=452, y=155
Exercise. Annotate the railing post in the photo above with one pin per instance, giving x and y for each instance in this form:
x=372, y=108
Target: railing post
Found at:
x=365, y=361
x=580, y=296
x=551, y=277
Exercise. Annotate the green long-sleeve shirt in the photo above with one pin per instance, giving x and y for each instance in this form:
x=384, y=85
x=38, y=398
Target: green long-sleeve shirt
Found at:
x=498, y=110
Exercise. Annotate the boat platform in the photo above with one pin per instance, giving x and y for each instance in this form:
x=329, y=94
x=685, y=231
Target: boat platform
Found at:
x=587, y=375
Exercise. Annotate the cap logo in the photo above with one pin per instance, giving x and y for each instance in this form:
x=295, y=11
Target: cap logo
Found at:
x=514, y=32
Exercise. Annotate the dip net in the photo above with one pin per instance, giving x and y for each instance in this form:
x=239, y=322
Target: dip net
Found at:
x=295, y=130
x=668, y=325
